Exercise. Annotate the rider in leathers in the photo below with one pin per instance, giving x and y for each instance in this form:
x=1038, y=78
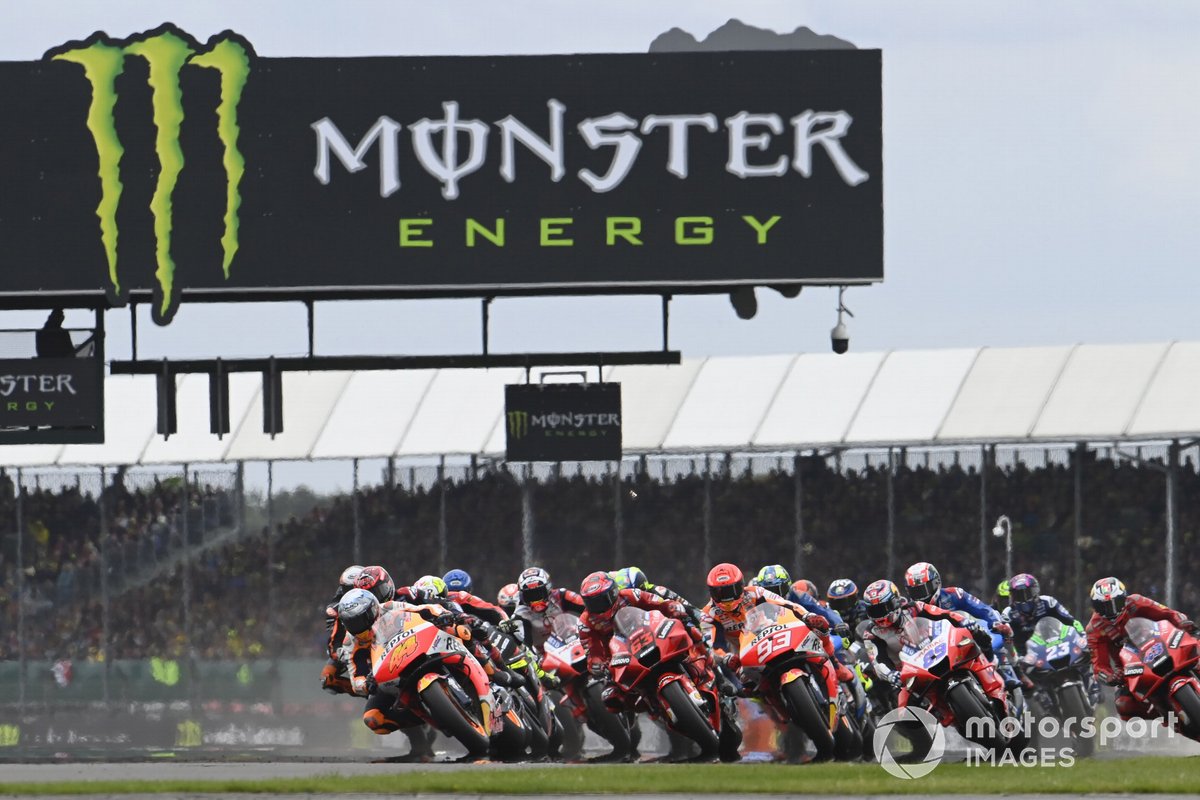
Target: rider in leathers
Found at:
x=634, y=578
x=1113, y=608
x=888, y=611
x=540, y=603
x=1028, y=606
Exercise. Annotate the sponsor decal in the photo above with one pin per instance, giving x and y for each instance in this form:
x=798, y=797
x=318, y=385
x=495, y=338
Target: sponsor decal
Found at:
x=167, y=51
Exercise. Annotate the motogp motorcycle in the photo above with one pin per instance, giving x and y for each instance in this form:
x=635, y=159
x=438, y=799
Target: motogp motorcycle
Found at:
x=648, y=659
x=787, y=664
x=1056, y=660
x=941, y=666
x=1159, y=663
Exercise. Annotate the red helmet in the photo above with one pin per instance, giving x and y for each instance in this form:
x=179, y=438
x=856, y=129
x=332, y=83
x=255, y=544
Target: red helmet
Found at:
x=507, y=597
x=726, y=585
x=599, y=592
x=807, y=587
x=378, y=582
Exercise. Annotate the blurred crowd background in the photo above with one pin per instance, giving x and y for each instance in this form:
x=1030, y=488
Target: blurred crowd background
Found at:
x=207, y=582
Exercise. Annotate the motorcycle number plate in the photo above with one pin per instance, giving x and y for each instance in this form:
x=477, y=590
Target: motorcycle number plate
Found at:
x=1155, y=651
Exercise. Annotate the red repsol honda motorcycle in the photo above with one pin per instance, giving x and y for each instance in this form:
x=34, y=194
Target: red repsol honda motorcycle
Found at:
x=1160, y=667
x=648, y=658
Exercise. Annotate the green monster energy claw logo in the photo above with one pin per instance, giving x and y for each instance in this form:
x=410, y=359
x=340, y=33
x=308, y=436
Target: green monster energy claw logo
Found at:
x=166, y=50
x=518, y=424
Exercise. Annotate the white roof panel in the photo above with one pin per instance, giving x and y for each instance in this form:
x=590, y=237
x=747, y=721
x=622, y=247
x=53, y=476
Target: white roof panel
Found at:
x=373, y=414
x=818, y=399
x=1004, y=393
x=1099, y=391
x=459, y=413
x=130, y=419
x=29, y=455
x=1171, y=404
x=650, y=399
x=308, y=399
x=193, y=443
x=910, y=396
x=727, y=402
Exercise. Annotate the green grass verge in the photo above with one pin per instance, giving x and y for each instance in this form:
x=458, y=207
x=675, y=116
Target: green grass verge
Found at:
x=1134, y=776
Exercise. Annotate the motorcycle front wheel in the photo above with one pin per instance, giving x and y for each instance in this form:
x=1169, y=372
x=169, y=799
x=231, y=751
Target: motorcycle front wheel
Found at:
x=1074, y=706
x=1189, y=704
x=454, y=720
x=965, y=701
x=809, y=718
x=690, y=721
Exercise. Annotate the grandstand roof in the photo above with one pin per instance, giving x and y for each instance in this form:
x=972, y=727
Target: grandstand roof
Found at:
x=1100, y=393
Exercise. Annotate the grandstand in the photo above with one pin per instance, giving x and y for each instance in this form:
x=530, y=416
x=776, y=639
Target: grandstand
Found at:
x=855, y=465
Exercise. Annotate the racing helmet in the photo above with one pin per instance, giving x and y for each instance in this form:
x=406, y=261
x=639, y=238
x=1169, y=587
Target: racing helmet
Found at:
x=773, y=578
x=631, y=578
x=841, y=595
x=507, y=597
x=378, y=582
x=725, y=586
x=599, y=592
x=358, y=609
x=884, y=603
x=922, y=581
x=349, y=575
x=431, y=586
x=534, y=587
x=457, y=580
x=1108, y=597
x=1024, y=591
x=805, y=586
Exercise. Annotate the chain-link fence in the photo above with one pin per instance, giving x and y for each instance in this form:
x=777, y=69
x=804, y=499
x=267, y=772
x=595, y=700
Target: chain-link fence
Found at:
x=124, y=573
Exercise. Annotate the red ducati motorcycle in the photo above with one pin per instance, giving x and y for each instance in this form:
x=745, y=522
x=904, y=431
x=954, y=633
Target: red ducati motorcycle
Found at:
x=648, y=658
x=1160, y=667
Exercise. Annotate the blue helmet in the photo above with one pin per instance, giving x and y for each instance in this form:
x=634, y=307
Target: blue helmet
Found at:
x=457, y=580
x=842, y=594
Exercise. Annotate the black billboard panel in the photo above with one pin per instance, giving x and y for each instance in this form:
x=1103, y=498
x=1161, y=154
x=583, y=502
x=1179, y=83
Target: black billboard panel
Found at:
x=160, y=164
x=50, y=392
x=563, y=422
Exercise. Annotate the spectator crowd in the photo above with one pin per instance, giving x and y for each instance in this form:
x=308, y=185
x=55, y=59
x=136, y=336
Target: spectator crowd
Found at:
x=240, y=595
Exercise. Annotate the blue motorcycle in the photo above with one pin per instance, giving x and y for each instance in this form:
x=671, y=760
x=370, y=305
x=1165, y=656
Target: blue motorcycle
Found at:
x=1057, y=661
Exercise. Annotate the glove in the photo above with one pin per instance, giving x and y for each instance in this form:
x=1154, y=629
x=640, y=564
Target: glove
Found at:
x=817, y=623
x=675, y=609
x=463, y=632
x=364, y=686
x=551, y=681
x=1187, y=625
x=732, y=661
x=893, y=679
x=1002, y=628
x=1110, y=678
x=597, y=668
x=842, y=629
x=500, y=677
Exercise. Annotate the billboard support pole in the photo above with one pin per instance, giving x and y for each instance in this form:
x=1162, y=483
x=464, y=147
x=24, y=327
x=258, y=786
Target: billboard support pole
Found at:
x=354, y=510
x=20, y=513
x=798, y=510
x=527, y=530
x=891, y=513
x=618, y=520
x=666, y=319
x=1077, y=566
x=983, y=516
x=186, y=566
x=707, y=512
x=270, y=551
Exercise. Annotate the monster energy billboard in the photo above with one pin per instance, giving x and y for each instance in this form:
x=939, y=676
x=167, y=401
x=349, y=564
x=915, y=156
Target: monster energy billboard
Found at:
x=161, y=166
x=563, y=422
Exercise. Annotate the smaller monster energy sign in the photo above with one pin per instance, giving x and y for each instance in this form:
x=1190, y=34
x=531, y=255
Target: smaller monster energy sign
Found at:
x=563, y=422
x=49, y=392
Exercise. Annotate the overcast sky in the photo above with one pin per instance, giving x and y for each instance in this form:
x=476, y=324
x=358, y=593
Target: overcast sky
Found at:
x=1042, y=167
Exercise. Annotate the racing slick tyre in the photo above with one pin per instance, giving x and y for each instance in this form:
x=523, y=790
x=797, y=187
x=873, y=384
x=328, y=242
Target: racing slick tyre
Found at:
x=1074, y=706
x=847, y=740
x=510, y=743
x=809, y=718
x=690, y=720
x=609, y=726
x=572, y=733
x=965, y=701
x=454, y=720
x=868, y=739
x=731, y=736
x=1189, y=704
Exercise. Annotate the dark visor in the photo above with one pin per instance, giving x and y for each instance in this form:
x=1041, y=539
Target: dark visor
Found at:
x=536, y=594
x=598, y=603
x=878, y=611
x=725, y=594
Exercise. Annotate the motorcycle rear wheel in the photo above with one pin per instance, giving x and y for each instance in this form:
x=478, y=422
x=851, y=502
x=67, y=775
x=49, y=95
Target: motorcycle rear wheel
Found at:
x=809, y=718
x=609, y=726
x=690, y=721
x=452, y=719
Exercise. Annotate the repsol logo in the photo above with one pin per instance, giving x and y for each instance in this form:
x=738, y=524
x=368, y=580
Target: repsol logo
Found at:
x=167, y=51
